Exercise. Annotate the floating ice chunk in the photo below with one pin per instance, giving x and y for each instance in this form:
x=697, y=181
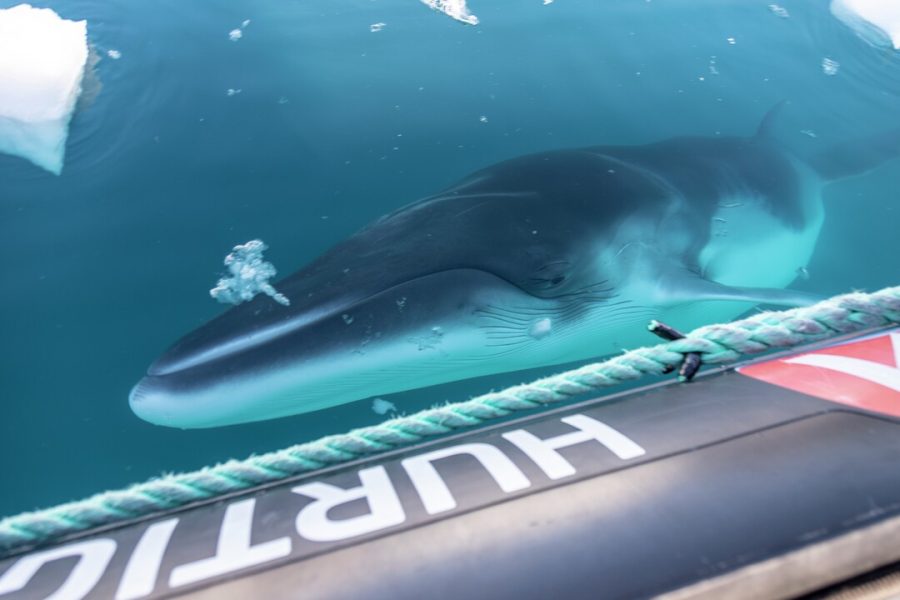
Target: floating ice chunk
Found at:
x=250, y=275
x=233, y=91
x=876, y=21
x=456, y=9
x=42, y=63
x=380, y=406
x=779, y=11
x=830, y=66
x=546, y=2
x=376, y=27
x=114, y=54
x=237, y=33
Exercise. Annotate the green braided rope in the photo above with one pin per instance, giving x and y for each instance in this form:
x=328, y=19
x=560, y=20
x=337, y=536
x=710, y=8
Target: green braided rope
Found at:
x=716, y=344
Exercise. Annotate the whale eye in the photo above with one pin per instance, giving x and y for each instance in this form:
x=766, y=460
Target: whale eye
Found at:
x=550, y=275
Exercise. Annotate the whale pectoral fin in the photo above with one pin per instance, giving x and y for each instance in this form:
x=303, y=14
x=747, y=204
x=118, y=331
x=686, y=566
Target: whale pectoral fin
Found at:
x=688, y=287
x=776, y=296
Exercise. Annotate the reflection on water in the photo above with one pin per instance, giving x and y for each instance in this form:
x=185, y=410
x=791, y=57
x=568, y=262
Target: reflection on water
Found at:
x=334, y=125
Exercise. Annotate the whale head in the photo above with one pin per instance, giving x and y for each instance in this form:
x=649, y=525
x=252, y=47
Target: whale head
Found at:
x=485, y=278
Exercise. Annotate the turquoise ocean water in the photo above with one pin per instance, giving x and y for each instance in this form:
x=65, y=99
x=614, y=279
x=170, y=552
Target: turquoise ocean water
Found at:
x=329, y=125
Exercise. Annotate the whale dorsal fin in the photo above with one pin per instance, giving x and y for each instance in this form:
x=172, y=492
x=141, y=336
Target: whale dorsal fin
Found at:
x=857, y=156
x=766, y=127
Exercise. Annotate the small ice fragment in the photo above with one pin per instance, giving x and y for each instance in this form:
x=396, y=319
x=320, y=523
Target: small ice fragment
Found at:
x=114, y=54
x=283, y=100
x=233, y=91
x=347, y=318
x=42, y=64
x=483, y=119
x=876, y=21
x=455, y=9
x=401, y=303
x=830, y=66
x=380, y=406
x=809, y=133
x=779, y=11
x=731, y=41
x=376, y=27
x=546, y=2
x=250, y=275
x=803, y=273
x=541, y=329
x=236, y=34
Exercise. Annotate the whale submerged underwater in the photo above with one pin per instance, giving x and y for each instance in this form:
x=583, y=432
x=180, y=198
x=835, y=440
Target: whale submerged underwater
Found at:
x=544, y=259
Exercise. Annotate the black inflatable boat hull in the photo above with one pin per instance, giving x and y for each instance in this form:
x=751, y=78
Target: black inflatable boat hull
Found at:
x=774, y=479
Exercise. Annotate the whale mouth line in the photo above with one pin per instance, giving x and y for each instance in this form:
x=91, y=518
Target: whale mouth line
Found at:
x=167, y=366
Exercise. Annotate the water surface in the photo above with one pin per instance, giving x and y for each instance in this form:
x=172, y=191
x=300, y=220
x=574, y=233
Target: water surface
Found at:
x=334, y=125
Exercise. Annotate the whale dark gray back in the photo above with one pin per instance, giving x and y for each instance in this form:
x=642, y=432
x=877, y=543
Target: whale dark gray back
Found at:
x=531, y=220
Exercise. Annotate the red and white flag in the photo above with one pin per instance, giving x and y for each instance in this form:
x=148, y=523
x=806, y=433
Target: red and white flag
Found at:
x=863, y=373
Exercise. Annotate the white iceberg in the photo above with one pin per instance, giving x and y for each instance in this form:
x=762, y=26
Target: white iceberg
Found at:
x=42, y=63
x=876, y=21
x=455, y=9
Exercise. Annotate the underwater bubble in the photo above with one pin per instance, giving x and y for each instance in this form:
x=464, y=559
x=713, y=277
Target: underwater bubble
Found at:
x=250, y=275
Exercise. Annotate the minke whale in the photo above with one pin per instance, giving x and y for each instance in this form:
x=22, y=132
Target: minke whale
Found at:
x=540, y=260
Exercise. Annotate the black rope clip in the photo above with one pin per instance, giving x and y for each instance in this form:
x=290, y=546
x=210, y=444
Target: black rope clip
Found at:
x=691, y=363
